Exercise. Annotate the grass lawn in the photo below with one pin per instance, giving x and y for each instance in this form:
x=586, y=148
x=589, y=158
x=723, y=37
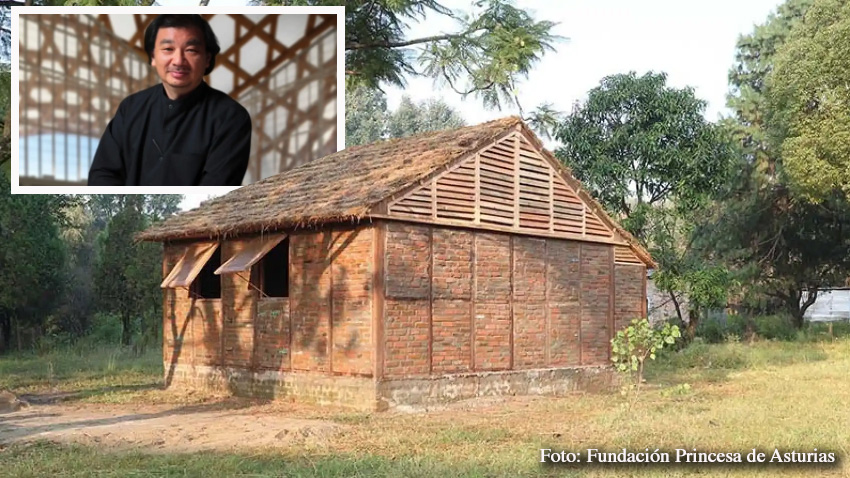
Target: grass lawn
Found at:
x=765, y=395
x=89, y=373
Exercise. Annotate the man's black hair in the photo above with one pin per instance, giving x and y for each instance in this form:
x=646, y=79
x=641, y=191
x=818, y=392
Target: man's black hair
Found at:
x=183, y=21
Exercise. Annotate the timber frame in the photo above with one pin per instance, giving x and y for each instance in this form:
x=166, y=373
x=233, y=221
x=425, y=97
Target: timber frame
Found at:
x=511, y=185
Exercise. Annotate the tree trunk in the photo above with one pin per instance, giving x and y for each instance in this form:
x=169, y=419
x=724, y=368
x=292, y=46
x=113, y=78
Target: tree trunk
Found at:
x=125, y=329
x=797, y=309
x=813, y=296
x=693, y=321
x=676, y=305
x=7, y=125
x=797, y=319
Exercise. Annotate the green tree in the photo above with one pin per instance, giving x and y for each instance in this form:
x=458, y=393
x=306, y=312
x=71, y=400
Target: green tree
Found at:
x=754, y=59
x=127, y=273
x=779, y=247
x=645, y=150
x=367, y=119
x=494, y=45
x=777, y=244
x=638, y=143
x=688, y=267
x=808, y=101
x=32, y=261
x=73, y=317
x=430, y=115
x=365, y=115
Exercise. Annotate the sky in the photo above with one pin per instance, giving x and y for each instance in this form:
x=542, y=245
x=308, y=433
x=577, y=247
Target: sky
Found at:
x=692, y=41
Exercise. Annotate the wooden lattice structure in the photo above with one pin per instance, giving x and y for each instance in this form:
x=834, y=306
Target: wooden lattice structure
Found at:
x=76, y=69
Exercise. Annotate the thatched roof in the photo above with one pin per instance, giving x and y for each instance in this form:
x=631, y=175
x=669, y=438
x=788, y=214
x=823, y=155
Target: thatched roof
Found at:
x=339, y=187
x=344, y=186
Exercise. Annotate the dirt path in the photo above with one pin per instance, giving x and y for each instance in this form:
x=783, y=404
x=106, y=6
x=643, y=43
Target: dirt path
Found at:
x=164, y=428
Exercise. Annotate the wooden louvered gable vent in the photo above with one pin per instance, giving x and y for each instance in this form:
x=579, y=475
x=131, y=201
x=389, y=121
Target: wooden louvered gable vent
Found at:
x=625, y=255
x=507, y=185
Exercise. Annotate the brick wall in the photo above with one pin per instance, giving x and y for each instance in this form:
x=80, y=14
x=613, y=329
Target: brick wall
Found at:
x=629, y=294
x=331, y=300
x=351, y=273
x=272, y=338
x=596, y=268
x=529, y=303
x=407, y=327
x=451, y=292
x=192, y=329
x=462, y=301
x=239, y=306
x=310, y=289
x=331, y=274
x=563, y=262
x=493, y=325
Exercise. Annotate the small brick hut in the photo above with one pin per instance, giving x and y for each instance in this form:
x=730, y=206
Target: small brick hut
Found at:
x=413, y=271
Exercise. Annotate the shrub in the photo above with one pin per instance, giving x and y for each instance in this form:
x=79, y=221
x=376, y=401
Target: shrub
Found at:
x=775, y=327
x=640, y=341
x=105, y=329
x=711, y=330
x=820, y=331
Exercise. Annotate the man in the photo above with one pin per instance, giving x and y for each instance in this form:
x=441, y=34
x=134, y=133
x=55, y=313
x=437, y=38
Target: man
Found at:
x=181, y=132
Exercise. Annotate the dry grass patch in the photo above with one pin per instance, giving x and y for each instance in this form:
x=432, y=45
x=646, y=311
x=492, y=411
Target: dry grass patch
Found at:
x=739, y=396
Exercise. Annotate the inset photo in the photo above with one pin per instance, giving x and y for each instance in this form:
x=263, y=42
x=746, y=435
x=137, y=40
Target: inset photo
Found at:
x=165, y=98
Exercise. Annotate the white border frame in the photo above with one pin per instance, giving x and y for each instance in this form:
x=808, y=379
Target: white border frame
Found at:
x=209, y=190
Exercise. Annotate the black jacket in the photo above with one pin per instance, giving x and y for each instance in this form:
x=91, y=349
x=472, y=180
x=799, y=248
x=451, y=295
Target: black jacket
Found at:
x=202, y=139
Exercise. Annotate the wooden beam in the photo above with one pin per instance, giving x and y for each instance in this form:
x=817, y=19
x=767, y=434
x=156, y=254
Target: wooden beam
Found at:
x=496, y=228
x=611, y=294
x=304, y=42
x=430, y=300
x=551, y=200
x=477, y=219
x=512, y=316
x=516, y=180
x=378, y=268
x=643, y=305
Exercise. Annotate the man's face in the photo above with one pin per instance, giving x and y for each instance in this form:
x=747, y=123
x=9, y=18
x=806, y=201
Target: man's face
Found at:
x=180, y=58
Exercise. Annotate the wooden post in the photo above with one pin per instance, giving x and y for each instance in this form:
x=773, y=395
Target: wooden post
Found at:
x=378, y=258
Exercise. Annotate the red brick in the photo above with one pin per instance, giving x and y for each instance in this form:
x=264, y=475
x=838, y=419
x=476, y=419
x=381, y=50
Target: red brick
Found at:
x=595, y=295
x=352, y=302
x=492, y=336
x=452, y=336
x=628, y=293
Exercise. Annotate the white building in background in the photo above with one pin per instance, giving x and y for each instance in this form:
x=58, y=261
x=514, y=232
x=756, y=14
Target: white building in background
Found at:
x=831, y=305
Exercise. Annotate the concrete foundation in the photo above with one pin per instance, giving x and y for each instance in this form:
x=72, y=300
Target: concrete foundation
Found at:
x=424, y=392
x=363, y=393
x=305, y=387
